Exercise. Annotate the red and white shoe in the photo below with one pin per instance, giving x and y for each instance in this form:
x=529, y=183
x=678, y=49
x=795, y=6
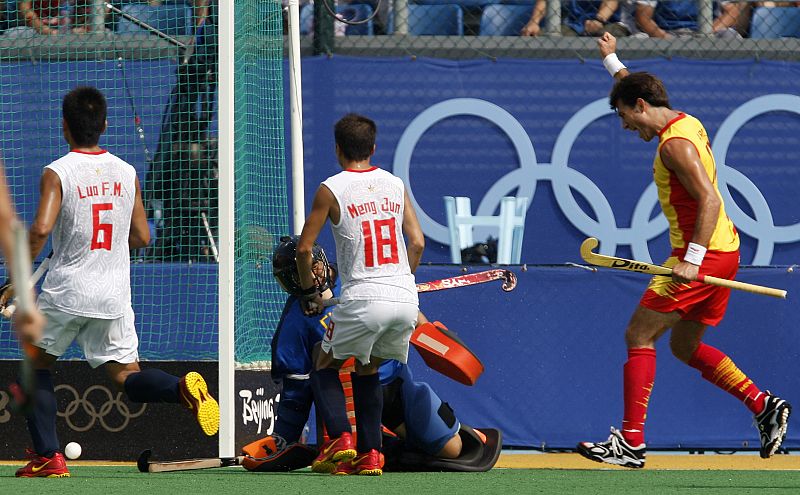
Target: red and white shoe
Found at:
x=195, y=396
x=44, y=467
x=369, y=464
x=333, y=451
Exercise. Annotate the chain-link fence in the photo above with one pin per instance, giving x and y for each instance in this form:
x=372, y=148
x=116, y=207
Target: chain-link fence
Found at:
x=552, y=28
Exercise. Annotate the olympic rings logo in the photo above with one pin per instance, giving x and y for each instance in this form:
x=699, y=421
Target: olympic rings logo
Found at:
x=82, y=409
x=564, y=179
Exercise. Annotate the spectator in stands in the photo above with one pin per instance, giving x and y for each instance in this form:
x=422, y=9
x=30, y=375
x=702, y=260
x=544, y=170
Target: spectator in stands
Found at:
x=581, y=18
x=51, y=17
x=200, y=8
x=675, y=18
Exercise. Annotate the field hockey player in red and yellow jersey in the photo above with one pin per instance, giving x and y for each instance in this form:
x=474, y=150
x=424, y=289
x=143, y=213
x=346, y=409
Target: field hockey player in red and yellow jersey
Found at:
x=704, y=242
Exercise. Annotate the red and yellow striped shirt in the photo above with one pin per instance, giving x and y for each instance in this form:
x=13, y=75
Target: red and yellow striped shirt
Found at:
x=678, y=205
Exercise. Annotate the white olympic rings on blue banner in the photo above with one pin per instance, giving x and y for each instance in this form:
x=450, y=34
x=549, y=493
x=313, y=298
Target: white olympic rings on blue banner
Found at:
x=565, y=179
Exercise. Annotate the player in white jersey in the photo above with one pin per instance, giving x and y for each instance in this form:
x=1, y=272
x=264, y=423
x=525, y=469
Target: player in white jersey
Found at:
x=91, y=204
x=372, y=219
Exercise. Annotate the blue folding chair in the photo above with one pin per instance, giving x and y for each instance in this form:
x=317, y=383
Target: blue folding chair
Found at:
x=174, y=19
x=504, y=20
x=351, y=12
x=775, y=22
x=510, y=225
x=433, y=20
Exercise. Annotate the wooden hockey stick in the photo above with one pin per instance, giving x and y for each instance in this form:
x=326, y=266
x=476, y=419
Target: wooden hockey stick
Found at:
x=22, y=391
x=507, y=276
x=145, y=465
x=640, y=266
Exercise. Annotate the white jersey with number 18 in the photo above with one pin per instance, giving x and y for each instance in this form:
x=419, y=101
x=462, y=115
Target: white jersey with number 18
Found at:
x=370, y=248
x=89, y=273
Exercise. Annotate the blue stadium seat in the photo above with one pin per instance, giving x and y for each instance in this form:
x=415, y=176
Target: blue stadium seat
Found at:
x=175, y=19
x=433, y=20
x=504, y=20
x=775, y=22
x=351, y=12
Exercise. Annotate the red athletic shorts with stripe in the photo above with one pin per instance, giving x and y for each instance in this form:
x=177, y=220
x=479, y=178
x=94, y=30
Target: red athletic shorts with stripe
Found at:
x=694, y=301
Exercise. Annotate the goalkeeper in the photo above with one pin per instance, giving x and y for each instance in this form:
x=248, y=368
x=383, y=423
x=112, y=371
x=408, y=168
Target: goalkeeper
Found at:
x=432, y=438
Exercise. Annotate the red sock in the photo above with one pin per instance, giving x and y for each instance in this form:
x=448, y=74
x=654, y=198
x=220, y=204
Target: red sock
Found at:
x=639, y=374
x=718, y=368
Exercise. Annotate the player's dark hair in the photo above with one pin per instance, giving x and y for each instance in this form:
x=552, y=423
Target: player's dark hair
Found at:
x=355, y=135
x=639, y=85
x=84, y=109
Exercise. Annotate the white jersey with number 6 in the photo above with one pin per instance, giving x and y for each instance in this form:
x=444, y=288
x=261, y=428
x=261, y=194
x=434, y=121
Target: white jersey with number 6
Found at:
x=370, y=248
x=89, y=273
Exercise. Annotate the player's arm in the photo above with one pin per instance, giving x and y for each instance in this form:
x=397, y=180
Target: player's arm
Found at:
x=47, y=212
x=608, y=48
x=680, y=156
x=415, y=239
x=320, y=210
x=7, y=218
x=139, y=236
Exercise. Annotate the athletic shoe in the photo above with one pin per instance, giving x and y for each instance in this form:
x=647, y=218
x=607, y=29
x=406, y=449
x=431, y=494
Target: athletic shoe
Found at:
x=369, y=464
x=333, y=451
x=195, y=396
x=772, y=423
x=44, y=467
x=615, y=451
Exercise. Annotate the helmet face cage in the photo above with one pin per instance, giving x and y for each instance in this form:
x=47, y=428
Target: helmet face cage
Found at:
x=284, y=266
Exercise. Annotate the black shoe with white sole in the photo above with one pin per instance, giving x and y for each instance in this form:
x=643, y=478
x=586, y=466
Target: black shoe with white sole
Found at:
x=615, y=451
x=772, y=424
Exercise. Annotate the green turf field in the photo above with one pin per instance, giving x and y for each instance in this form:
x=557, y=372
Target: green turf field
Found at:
x=125, y=479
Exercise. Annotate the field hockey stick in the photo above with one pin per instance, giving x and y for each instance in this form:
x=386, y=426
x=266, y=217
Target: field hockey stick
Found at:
x=507, y=276
x=8, y=311
x=22, y=392
x=145, y=465
x=146, y=26
x=640, y=266
x=212, y=244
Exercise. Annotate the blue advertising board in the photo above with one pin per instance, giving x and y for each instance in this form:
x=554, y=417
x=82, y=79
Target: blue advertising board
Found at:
x=544, y=130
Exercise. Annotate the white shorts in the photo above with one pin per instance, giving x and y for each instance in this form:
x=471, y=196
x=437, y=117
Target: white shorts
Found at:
x=371, y=328
x=100, y=340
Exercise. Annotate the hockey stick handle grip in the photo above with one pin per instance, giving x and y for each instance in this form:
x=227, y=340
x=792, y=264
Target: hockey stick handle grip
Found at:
x=9, y=310
x=735, y=284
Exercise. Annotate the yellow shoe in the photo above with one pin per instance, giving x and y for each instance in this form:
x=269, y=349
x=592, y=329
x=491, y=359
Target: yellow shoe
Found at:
x=194, y=394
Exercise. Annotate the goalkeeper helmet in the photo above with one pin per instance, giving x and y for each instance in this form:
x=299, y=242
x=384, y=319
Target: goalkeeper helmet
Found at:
x=284, y=266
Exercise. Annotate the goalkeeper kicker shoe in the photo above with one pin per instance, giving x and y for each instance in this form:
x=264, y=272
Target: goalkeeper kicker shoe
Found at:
x=772, y=424
x=195, y=396
x=369, y=464
x=615, y=451
x=44, y=467
x=333, y=451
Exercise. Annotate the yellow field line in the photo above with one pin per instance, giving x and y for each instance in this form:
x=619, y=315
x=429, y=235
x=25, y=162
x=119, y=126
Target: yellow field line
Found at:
x=76, y=463
x=654, y=461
